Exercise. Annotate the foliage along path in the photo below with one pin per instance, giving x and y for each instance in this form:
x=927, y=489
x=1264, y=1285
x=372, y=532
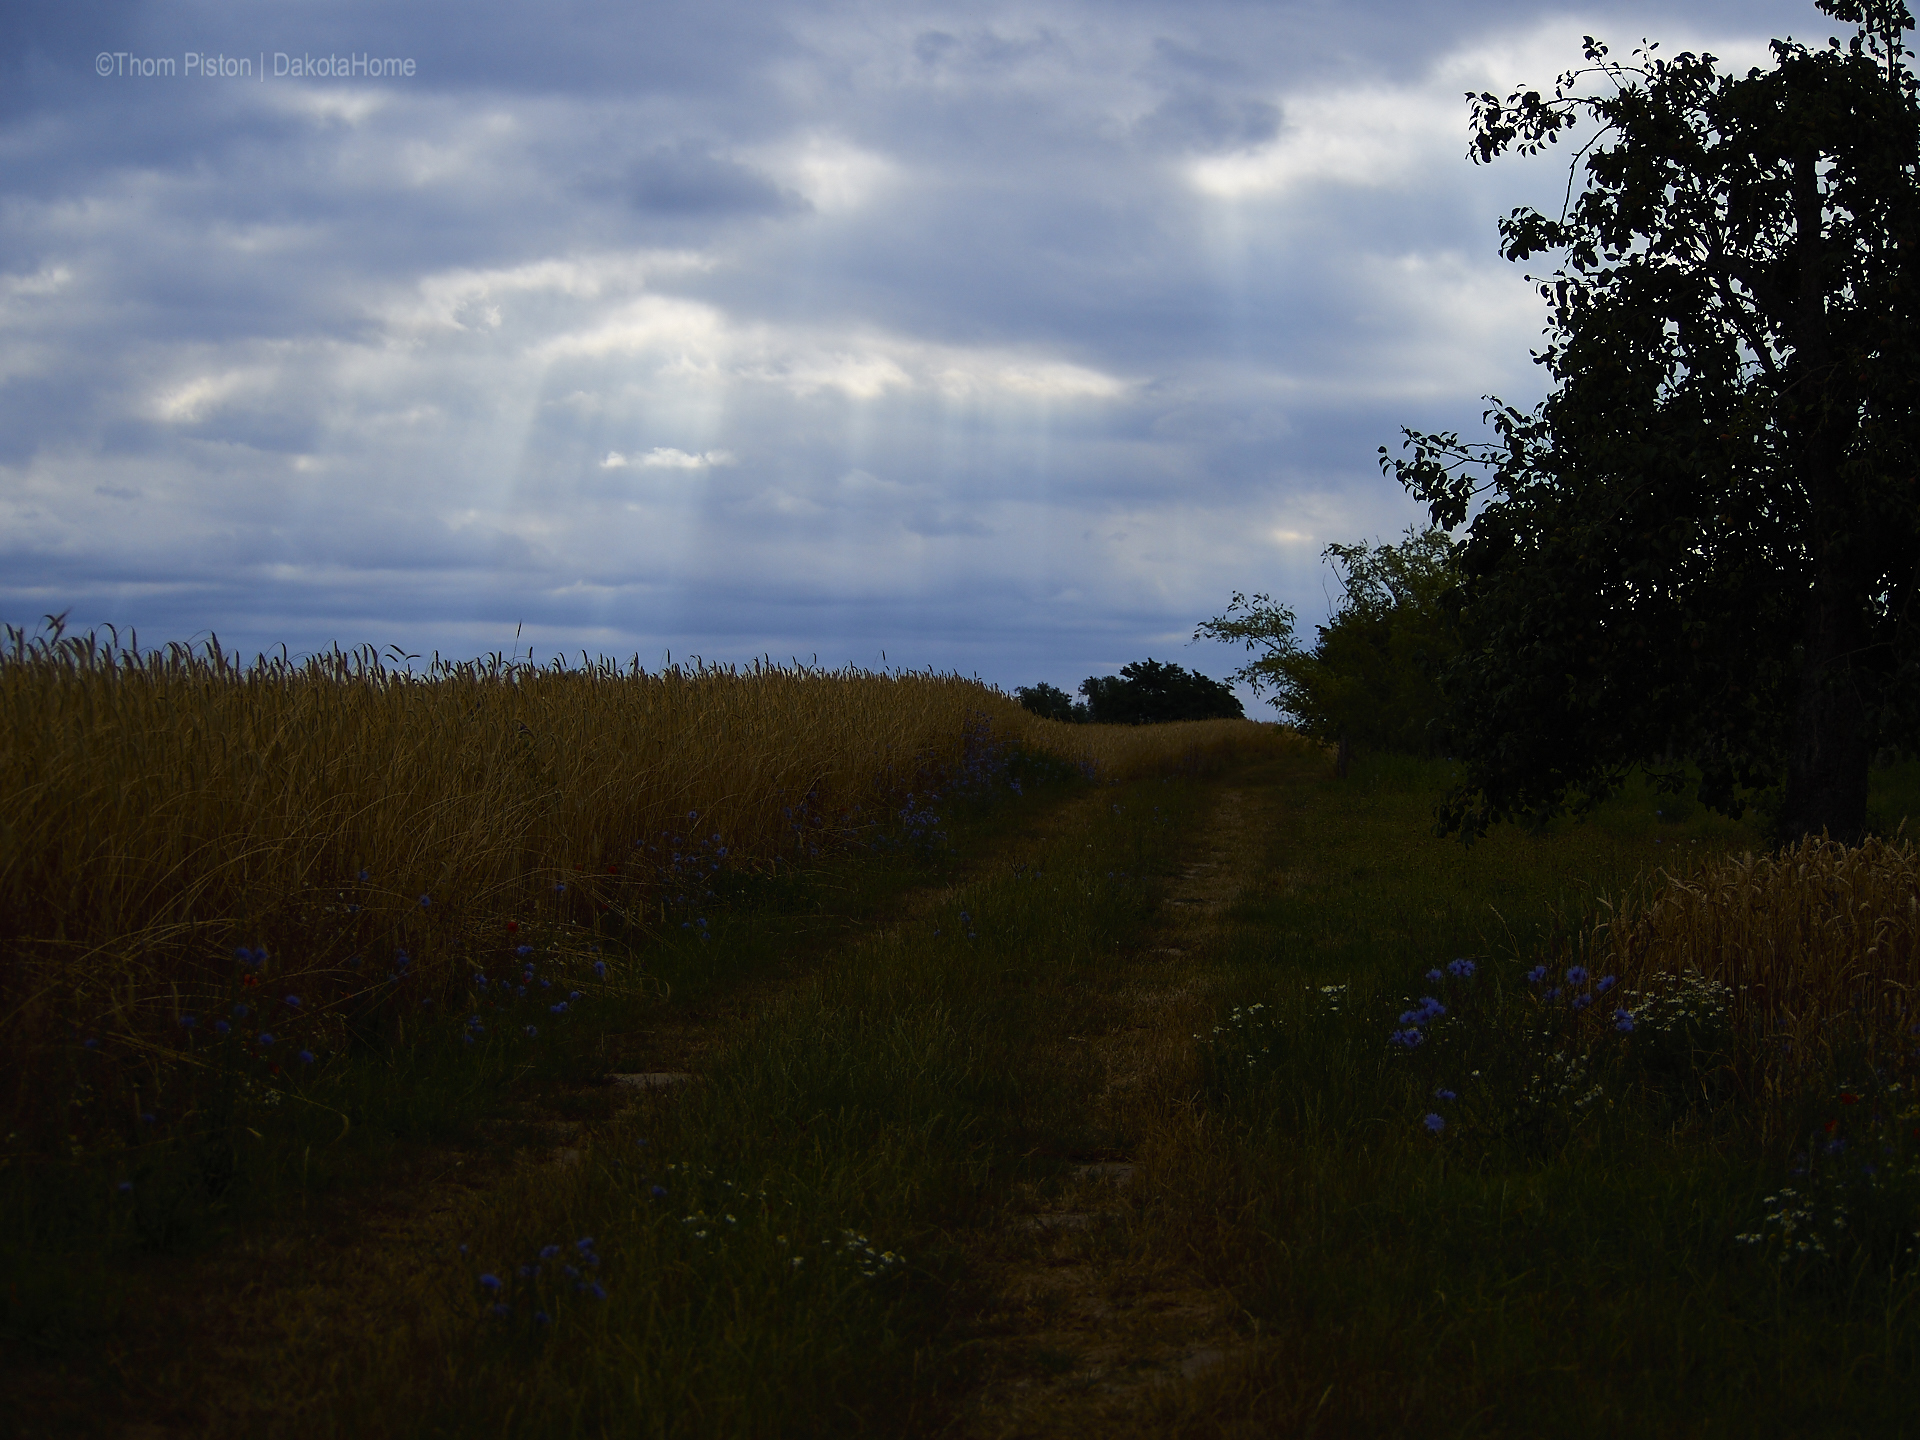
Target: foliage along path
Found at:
x=1066, y=1314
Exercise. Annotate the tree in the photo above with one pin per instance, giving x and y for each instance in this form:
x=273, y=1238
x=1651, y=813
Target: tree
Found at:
x=1050, y=702
x=1370, y=682
x=1702, y=546
x=1148, y=692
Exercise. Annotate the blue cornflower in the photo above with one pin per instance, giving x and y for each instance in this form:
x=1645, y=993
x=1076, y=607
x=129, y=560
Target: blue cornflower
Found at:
x=599, y=969
x=1603, y=984
x=293, y=1002
x=402, y=960
x=148, y=1119
x=560, y=887
x=479, y=982
x=1554, y=993
x=528, y=1272
x=1430, y=1008
x=1406, y=1039
x=305, y=1057
x=220, y=1027
x=240, y=1012
x=658, y=1192
x=187, y=1022
x=500, y=1312
x=532, y=1030
x=365, y=875
x=1576, y=975
x=1435, y=976
x=1445, y=1095
x=1623, y=1021
x=570, y=1272
x=1412, y=1017
x=549, y=1252
x=425, y=901
x=593, y=1291
x=1461, y=969
x=584, y=1244
x=523, y=950
x=559, y=1009
x=1537, y=974
x=266, y=1040
x=575, y=994
x=1435, y=1123
x=489, y=1282
x=1580, y=1002
x=540, y=1317
x=125, y=1187
x=90, y=1043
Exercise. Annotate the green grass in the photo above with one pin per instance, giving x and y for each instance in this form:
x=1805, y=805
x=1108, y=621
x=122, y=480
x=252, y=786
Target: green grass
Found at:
x=1563, y=1269
x=880, y=1045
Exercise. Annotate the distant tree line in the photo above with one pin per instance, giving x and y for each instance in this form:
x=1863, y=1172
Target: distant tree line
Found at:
x=1146, y=692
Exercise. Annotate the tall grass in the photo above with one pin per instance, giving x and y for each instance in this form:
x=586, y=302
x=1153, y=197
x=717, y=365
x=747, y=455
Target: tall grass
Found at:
x=1817, y=946
x=340, y=824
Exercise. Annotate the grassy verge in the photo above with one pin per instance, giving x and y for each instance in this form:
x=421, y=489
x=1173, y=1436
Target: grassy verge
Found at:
x=1530, y=1220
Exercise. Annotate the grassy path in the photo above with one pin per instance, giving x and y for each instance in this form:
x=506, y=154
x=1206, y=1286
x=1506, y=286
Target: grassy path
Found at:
x=1096, y=1133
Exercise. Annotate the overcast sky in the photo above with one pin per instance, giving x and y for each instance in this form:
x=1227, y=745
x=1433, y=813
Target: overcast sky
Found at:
x=1001, y=339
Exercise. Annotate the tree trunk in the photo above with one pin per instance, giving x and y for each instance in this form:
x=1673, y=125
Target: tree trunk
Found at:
x=1342, y=758
x=1828, y=758
x=1827, y=765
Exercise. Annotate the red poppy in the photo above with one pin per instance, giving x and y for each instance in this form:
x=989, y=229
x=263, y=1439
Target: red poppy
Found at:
x=1847, y=1099
x=512, y=925
x=249, y=979
x=1832, y=1125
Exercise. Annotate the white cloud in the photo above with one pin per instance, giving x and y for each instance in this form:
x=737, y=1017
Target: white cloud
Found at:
x=664, y=457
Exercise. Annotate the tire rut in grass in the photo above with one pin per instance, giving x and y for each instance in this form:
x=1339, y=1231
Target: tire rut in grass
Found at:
x=1087, y=1312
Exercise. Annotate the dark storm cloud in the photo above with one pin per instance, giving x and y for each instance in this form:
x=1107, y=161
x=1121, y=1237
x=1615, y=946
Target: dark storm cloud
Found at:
x=1010, y=339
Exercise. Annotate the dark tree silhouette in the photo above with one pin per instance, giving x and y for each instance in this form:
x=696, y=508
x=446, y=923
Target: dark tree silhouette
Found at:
x=1704, y=544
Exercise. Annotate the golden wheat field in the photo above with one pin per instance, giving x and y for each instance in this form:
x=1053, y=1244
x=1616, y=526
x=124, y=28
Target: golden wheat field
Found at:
x=162, y=809
x=1818, y=945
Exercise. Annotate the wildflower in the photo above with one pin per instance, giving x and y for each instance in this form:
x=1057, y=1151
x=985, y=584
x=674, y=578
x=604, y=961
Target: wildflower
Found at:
x=266, y=1040
x=305, y=1057
x=532, y=1030
x=293, y=1002
x=479, y=982
x=575, y=994
x=125, y=1187
x=489, y=1282
x=599, y=969
x=658, y=1192
x=549, y=1252
x=187, y=1022
x=584, y=1244
x=1580, y=1002
x=220, y=1027
x=512, y=926
x=528, y=1272
x=570, y=1272
x=1537, y=974
x=1847, y=1098
x=1603, y=984
x=523, y=951
x=425, y=901
x=1445, y=1095
x=540, y=1317
x=559, y=1009
x=365, y=875
x=1406, y=1039
x=1436, y=976
x=560, y=887
x=1460, y=969
x=500, y=1312
x=148, y=1119
x=1623, y=1020
x=1576, y=975
x=1435, y=1123
x=593, y=1290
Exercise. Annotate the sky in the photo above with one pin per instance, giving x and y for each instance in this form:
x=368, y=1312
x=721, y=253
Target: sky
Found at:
x=1005, y=340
